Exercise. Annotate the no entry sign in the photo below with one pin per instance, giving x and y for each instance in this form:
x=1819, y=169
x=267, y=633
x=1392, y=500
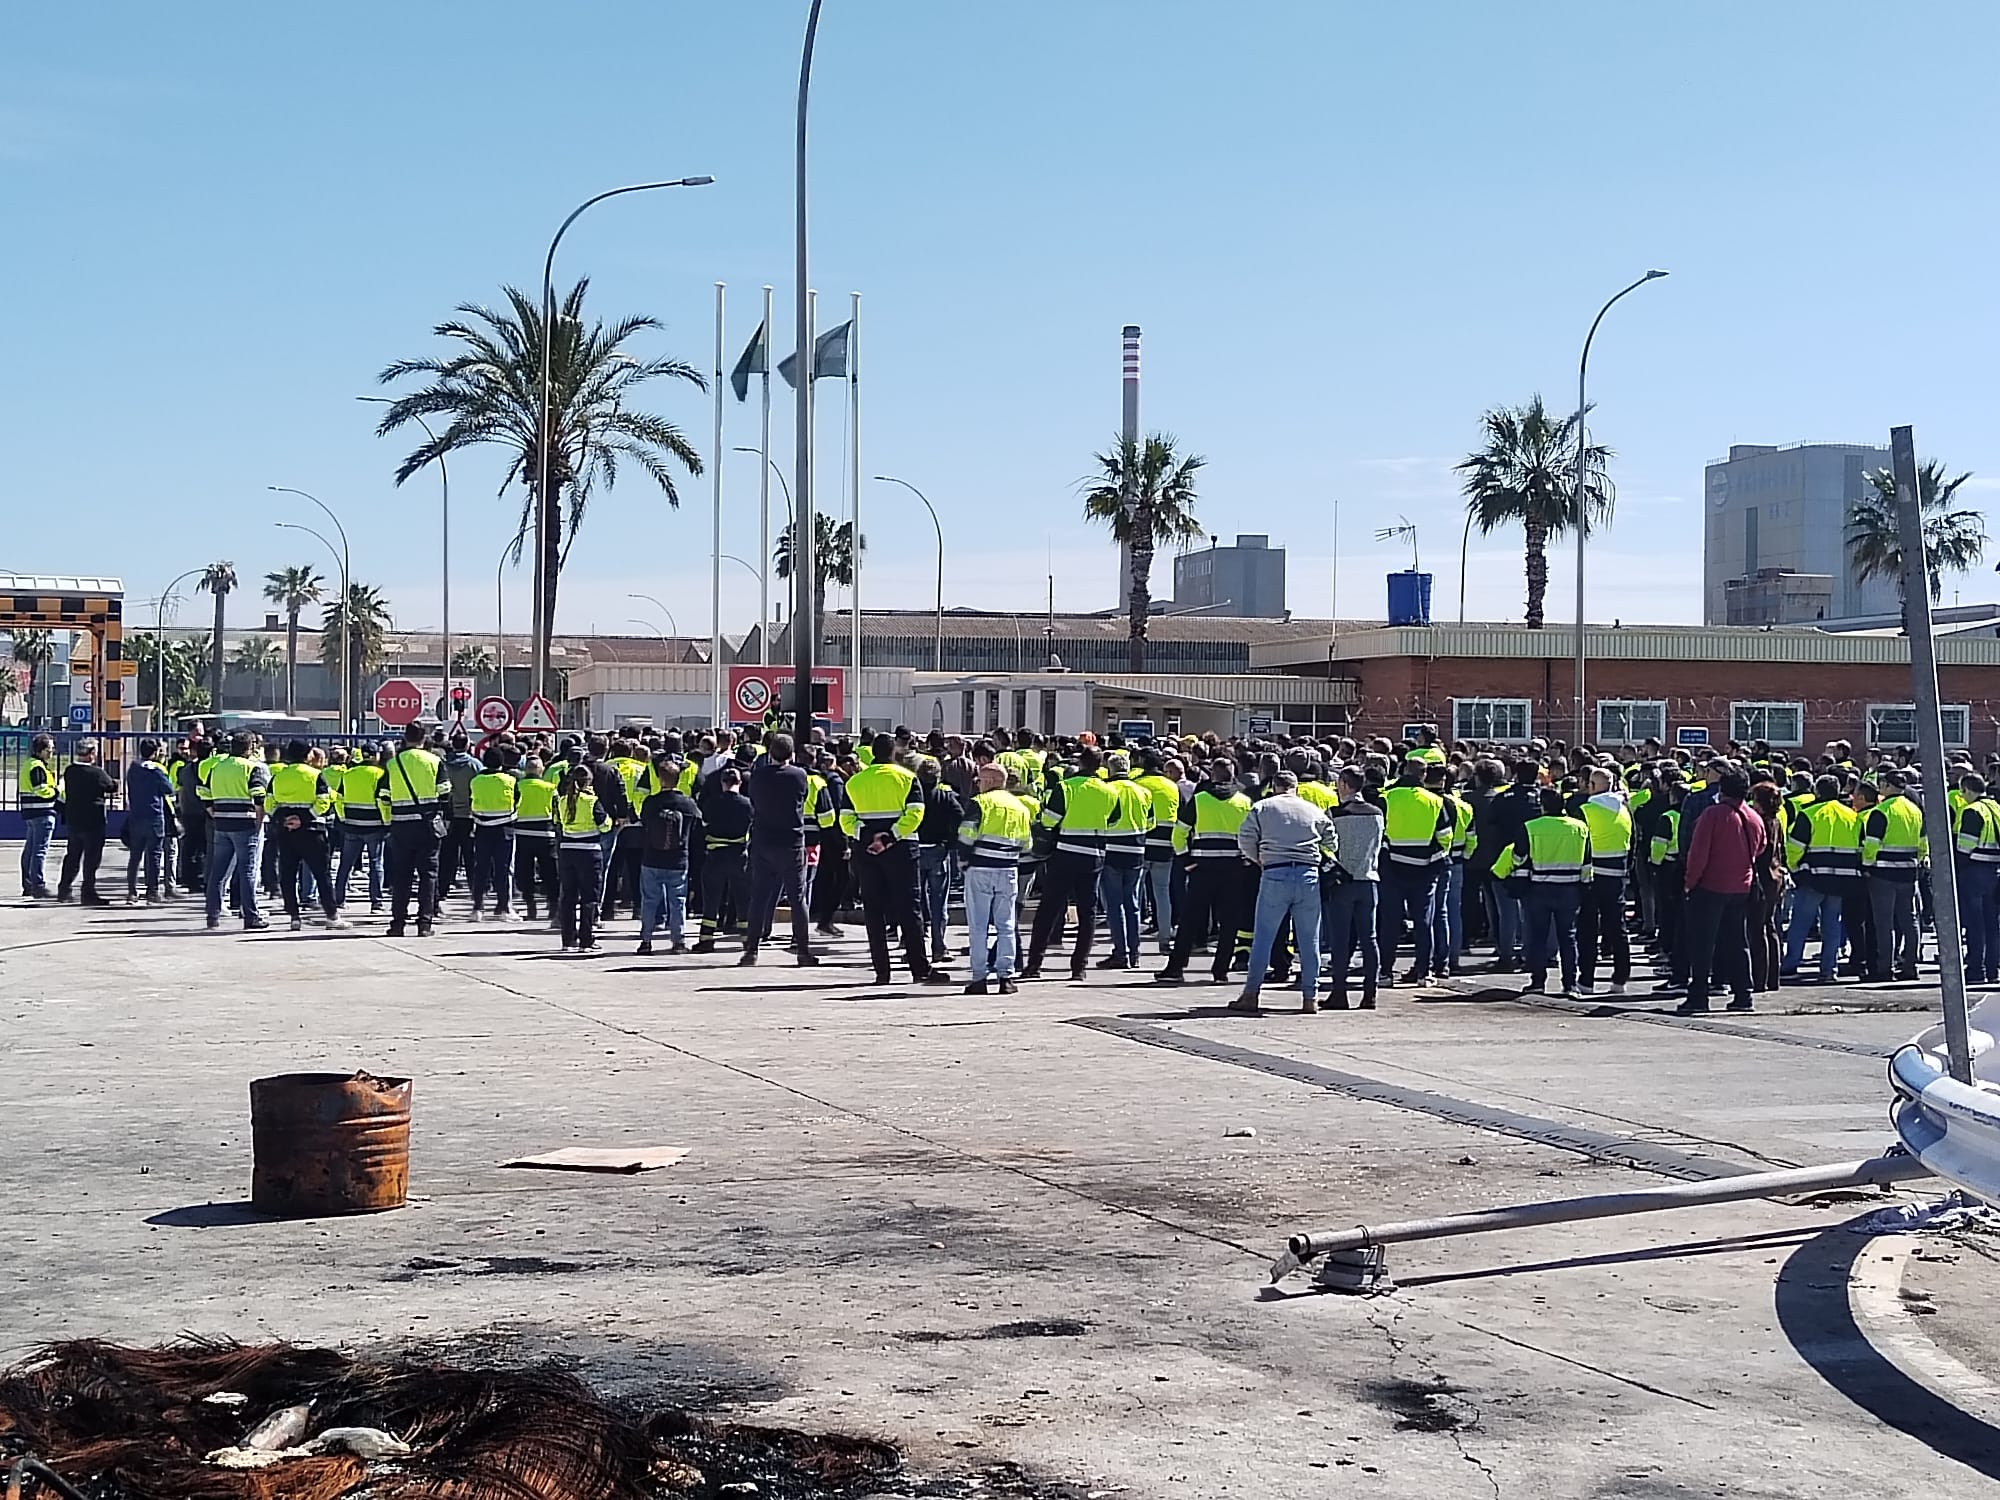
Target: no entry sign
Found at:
x=494, y=715
x=398, y=702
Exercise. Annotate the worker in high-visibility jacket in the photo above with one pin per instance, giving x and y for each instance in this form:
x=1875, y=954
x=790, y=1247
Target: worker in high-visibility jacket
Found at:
x=232, y=788
x=1823, y=849
x=1977, y=864
x=1601, y=925
x=494, y=798
x=580, y=823
x=1552, y=854
x=998, y=829
x=416, y=799
x=1221, y=884
x=364, y=831
x=1165, y=791
x=1667, y=873
x=39, y=792
x=297, y=805
x=1893, y=852
x=1447, y=898
x=885, y=805
x=535, y=870
x=1417, y=836
x=1081, y=808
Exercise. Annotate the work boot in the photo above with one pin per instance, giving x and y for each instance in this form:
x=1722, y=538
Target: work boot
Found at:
x=1245, y=1004
x=807, y=959
x=645, y=949
x=1309, y=1006
x=977, y=987
x=1167, y=976
x=1008, y=987
x=298, y=924
x=705, y=945
x=1691, y=1008
x=934, y=977
x=257, y=926
x=747, y=961
x=1743, y=1004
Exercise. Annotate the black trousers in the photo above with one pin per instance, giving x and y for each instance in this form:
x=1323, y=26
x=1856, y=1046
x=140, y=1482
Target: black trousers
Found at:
x=492, y=863
x=831, y=879
x=725, y=883
x=1066, y=879
x=1716, y=949
x=888, y=884
x=1601, y=927
x=1218, y=899
x=580, y=866
x=535, y=870
x=413, y=868
x=775, y=870
x=304, y=848
x=455, y=855
x=84, y=848
x=192, y=871
x=621, y=881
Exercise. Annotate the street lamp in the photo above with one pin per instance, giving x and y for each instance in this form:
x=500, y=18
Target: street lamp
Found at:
x=346, y=599
x=544, y=507
x=635, y=620
x=1583, y=448
x=805, y=610
x=444, y=578
x=346, y=626
x=500, y=612
x=937, y=653
x=764, y=577
x=160, y=642
x=660, y=607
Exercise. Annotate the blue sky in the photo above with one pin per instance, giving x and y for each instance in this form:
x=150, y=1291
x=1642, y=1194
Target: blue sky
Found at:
x=1345, y=229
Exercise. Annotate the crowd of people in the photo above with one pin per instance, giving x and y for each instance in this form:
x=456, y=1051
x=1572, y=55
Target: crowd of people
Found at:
x=1337, y=867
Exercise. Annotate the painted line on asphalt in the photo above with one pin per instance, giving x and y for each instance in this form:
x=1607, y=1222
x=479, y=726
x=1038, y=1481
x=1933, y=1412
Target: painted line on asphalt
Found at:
x=1598, y=1145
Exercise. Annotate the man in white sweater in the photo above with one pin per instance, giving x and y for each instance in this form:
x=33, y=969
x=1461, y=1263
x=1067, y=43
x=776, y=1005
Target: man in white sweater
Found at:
x=1286, y=837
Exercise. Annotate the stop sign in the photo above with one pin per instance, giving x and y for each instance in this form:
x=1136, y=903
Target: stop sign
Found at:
x=398, y=702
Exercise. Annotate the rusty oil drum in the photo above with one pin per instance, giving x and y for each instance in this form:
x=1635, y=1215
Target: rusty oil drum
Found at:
x=329, y=1143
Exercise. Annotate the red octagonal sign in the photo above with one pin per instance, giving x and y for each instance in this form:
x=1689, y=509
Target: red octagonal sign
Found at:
x=398, y=702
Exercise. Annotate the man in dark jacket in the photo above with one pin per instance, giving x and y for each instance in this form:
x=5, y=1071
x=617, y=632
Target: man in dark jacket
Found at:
x=937, y=836
x=456, y=851
x=778, y=790
x=669, y=823
x=1507, y=814
x=86, y=788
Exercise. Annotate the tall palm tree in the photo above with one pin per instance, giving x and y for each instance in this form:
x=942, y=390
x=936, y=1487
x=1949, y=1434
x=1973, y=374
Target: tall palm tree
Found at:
x=833, y=556
x=188, y=672
x=219, y=578
x=1954, y=540
x=1525, y=471
x=489, y=390
x=471, y=661
x=1155, y=507
x=292, y=589
x=365, y=615
x=256, y=658
x=34, y=650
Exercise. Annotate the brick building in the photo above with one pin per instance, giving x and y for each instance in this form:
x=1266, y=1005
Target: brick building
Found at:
x=1796, y=688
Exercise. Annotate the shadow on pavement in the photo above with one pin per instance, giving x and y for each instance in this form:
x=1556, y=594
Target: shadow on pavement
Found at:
x=1765, y=1241
x=210, y=1216
x=1818, y=1320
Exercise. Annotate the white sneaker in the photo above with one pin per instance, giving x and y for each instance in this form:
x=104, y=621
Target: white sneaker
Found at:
x=338, y=924
x=478, y=915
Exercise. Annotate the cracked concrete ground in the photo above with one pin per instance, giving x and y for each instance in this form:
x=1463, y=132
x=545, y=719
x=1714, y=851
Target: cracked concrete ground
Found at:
x=997, y=1236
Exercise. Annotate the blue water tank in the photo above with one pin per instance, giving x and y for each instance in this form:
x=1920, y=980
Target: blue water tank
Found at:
x=1409, y=598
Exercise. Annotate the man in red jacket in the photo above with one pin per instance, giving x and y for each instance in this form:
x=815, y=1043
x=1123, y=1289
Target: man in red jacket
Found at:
x=1721, y=859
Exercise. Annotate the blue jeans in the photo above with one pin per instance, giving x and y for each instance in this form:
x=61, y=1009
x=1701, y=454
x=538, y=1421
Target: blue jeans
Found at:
x=358, y=842
x=1447, y=917
x=990, y=895
x=1160, y=879
x=1287, y=891
x=233, y=853
x=934, y=889
x=35, y=854
x=1551, y=908
x=663, y=895
x=1506, y=923
x=1347, y=921
x=144, y=854
x=1808, y=903
x=1407, y=896
x=1118, y=887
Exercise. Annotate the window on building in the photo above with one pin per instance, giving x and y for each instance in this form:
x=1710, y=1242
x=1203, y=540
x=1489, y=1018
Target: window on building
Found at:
x=1630, y=721
x=1896, y=724
x=965, y=712
x=1020, y=718
x=1048, y=711
x=1778, y=724
x=1490, y=719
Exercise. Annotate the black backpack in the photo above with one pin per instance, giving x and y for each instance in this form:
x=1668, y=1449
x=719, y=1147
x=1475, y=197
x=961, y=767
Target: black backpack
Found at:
x=665, y=831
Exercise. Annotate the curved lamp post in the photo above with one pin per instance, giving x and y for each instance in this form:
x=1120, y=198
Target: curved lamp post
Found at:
x=444, y=575
x=937, y=650
x=160, y=640
x=346, y=585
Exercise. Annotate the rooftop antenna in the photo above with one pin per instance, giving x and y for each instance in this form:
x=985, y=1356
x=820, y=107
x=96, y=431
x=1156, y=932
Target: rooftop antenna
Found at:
x=1388, y=533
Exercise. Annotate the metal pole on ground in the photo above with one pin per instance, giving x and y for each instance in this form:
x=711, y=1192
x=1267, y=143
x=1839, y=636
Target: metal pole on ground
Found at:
x=1930, y=747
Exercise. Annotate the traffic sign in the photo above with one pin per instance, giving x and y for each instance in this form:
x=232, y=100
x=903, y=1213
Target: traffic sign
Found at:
x=494, y=715
x=754, y=691
x=398, y=702
x=79, y=716
x=1136, y=729
x=753, y=696
x=536, y=713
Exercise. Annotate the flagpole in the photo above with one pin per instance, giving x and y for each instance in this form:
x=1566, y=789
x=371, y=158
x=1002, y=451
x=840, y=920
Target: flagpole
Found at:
x=715, y=556
x=764, y=504
x=854, y=478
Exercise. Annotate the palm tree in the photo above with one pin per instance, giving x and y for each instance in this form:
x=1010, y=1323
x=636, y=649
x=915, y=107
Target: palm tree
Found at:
x=1954, y=540
x=219, y=578
x=471, y=661
x=489, y=391
x=833, y=556
x=366, y=616
x=256, y=657
x=292, y=589
x=1526, y=472
x=34, y=650
x=1146, y=496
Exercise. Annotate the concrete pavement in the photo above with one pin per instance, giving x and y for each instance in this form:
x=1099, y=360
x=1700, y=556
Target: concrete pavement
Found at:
x=1005, y=1231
